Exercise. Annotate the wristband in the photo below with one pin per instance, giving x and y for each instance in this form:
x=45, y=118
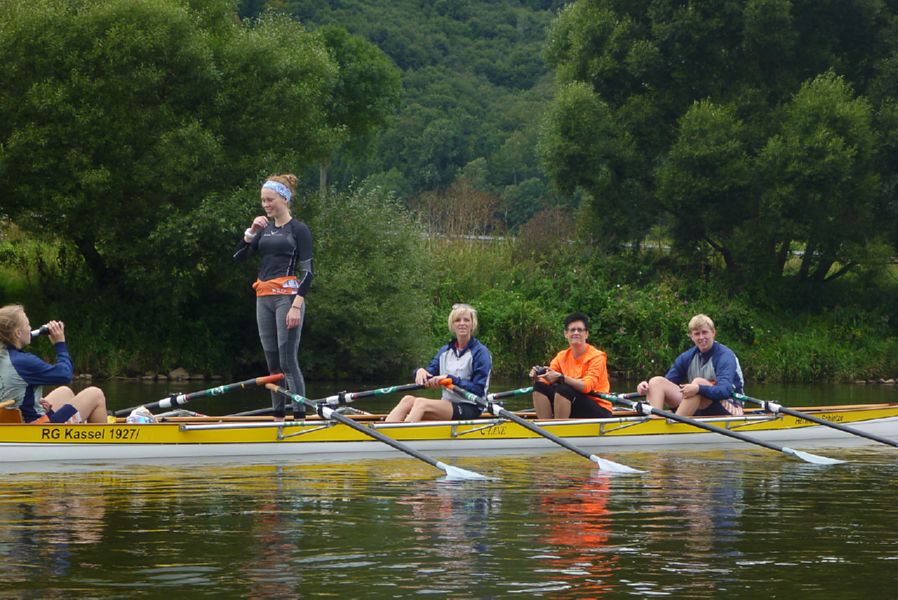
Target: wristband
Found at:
x=249, y=233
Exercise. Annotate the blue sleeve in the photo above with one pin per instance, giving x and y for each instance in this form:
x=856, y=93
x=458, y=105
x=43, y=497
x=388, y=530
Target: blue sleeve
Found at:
x=725, y=375
x=36, y=372
x=480, y=377
x=679, y=368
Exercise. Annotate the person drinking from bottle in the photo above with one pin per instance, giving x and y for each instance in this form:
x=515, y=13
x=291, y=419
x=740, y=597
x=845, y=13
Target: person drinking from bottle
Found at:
x=562, y=389
x=23, y=375
x=701, y=380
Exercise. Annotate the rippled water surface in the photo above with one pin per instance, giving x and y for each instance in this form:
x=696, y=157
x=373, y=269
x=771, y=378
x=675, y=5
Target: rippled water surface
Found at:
x=740, y=523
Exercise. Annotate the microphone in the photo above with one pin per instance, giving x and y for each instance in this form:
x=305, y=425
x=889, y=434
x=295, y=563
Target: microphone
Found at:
x=42, y=330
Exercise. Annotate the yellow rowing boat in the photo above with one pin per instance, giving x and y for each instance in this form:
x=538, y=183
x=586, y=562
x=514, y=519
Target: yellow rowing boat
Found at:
x=262, y=438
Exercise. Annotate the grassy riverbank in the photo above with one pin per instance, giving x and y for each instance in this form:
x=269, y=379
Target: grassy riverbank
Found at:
x=375, y=294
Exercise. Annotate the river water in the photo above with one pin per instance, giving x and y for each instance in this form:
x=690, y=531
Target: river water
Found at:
x=741, y=523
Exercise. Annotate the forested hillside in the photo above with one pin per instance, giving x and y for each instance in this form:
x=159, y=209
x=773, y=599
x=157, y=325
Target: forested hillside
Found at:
x=475, y=85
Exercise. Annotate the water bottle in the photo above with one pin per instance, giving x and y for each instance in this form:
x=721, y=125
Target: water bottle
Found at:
x=42, y=330
x=140, y=415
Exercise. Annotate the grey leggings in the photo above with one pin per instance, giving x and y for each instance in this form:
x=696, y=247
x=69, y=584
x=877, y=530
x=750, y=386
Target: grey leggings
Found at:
x=281, y=346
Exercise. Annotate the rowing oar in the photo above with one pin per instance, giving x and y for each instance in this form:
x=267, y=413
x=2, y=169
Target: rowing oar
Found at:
x=180, y=399
x=507, y=394
x=326, y=412
x=499, y=411
x=646, y=409
x=341, y=398
x=773, y=407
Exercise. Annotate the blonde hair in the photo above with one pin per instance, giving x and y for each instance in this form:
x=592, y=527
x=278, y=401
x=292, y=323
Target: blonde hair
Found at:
x=12, y=317
x=699, y=321
x=457, y=311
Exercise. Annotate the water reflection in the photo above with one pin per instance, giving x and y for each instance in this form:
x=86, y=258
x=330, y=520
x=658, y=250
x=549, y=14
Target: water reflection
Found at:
x=697, y=524
x=41, y=531
x=268, y=543
x=578, y=531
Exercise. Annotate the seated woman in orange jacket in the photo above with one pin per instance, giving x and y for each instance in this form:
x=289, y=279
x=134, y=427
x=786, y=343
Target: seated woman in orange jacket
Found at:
x=561, y=390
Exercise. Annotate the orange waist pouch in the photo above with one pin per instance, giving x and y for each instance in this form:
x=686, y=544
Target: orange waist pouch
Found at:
x=282, y=286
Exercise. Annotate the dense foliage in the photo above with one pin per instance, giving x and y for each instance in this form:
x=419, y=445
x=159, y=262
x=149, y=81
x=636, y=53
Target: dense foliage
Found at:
x=132, y=141
x=755, y=130
x=730, y=157
x=474, y=86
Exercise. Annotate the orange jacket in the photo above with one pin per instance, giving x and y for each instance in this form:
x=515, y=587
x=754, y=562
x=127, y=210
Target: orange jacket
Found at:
x=591, y=367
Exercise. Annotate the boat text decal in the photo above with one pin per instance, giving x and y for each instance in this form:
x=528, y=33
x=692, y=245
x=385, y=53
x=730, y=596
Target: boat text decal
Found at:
x=119, y=433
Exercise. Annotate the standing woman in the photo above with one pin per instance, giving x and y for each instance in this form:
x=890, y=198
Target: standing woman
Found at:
x=23, y=375
x=285, y=245
x=464, y=360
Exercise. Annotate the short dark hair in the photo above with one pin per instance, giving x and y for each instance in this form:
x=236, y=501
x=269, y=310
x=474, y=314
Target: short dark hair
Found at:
x=576, y=316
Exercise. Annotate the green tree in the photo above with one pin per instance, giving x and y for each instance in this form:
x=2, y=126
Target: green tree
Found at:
x=581, y=146
x=118, y=116
x=370, y=301
x=365, y=94
x=473, y=76
x=705, y=184
x=824, y=188
x=696, y=92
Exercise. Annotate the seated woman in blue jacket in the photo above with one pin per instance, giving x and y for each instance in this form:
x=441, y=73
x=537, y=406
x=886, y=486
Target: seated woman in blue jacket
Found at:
x=23, y=375
x=702, y=380
x=464, y=360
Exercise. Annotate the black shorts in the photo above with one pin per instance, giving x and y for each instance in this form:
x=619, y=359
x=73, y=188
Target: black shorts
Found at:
x=582, y=406
x=715, y=409
x=465, y=410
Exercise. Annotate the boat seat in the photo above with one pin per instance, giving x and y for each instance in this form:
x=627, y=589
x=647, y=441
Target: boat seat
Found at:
x=9, y=413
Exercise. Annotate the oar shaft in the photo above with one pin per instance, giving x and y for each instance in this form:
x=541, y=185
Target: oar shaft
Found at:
x=501, y=412
x=644, y=408
x=509, y=393
x=497, y=410
x=341, y=398
x=346, y=397
x=647, y=409
x=180, y=399
x=774, y=407
x=327, y=412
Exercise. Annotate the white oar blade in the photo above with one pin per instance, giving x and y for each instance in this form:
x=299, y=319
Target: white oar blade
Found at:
x=457, y=473
x=812, y=458
x=612, y=467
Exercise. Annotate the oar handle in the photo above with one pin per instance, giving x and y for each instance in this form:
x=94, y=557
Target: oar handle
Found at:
x=464, y=394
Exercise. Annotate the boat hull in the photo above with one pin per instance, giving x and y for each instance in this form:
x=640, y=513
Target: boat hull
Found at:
x=211, y=438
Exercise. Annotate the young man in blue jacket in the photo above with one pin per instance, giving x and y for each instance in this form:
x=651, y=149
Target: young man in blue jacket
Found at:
x=702, y=380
